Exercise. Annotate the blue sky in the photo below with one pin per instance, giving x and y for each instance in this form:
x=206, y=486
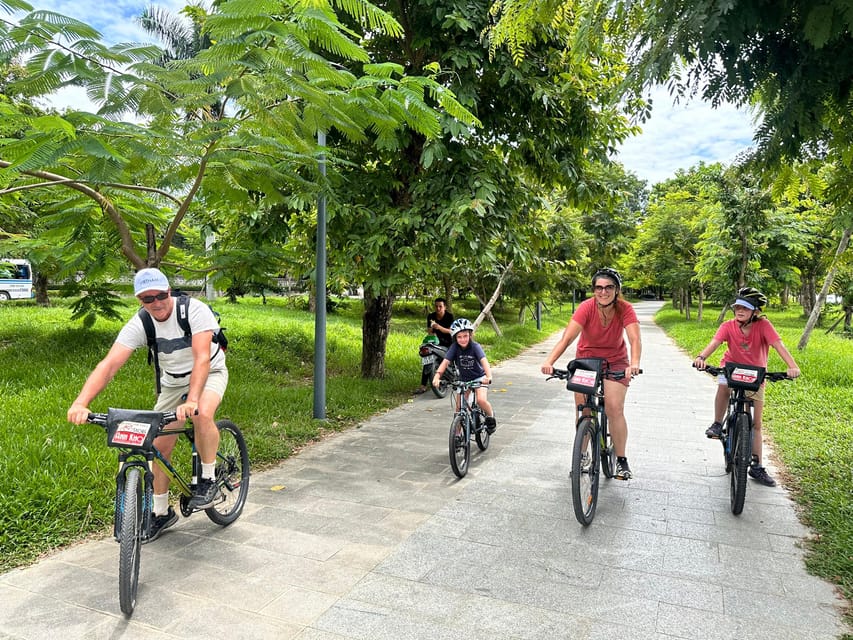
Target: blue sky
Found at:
x=676, y=136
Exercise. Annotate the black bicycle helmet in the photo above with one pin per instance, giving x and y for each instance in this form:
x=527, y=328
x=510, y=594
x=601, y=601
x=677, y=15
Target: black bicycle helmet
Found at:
x=752, y=296
x=610, y=274
x=462, y=324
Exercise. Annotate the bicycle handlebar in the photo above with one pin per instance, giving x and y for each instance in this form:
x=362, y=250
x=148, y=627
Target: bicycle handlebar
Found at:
x=101, y=418
x=773, y=376
x=565, y=374
x=474, y=384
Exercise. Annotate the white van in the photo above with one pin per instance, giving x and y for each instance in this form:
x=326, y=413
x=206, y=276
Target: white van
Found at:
x=16, y=279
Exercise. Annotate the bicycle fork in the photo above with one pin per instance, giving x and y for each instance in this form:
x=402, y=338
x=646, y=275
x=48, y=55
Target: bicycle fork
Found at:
x=128, y=461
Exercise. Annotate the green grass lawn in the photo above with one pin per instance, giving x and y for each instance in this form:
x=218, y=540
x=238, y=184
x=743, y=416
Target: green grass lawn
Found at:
x=811, y=424
x=58, y=479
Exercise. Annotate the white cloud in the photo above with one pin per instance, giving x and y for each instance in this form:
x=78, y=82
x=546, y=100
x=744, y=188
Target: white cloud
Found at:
x=680, y=136
x=115, y=19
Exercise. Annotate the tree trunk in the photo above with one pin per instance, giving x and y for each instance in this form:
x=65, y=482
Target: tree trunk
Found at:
x=487, y=308
x=40, y=284
x=700, y=305
x=375, y=327
x=815, y=314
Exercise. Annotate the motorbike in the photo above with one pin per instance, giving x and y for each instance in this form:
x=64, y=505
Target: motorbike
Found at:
x=432, y=354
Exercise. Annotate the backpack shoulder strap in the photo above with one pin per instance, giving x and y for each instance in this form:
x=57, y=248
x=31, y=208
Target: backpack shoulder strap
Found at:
x=182, y=306
x=151, y=339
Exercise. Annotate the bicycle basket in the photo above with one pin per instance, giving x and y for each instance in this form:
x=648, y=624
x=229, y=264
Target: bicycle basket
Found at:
x=744, y=376
x=586, y=374
x=127, y=428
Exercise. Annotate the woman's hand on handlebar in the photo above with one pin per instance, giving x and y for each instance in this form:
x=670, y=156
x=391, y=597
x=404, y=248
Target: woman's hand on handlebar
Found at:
x=547, y=369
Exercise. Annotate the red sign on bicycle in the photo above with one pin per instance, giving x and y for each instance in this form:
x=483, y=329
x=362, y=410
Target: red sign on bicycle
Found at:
x=747, y=376
x=130, y=434
x=584, y=378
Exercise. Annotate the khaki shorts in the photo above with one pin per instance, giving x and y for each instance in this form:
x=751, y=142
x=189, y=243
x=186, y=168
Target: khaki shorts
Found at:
x=756, y=396
x=171, y=397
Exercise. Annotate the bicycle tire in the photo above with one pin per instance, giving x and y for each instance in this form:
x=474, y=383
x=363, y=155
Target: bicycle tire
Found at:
x=460, y=446
x=481, y=435
x=130, y=545
x=443, y=385
x=741, y=456
x=232, y=474
x=608, y=454
x=585, y=480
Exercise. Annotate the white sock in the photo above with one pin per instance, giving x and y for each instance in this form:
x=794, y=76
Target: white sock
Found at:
x=161, y=504
x=208, y=470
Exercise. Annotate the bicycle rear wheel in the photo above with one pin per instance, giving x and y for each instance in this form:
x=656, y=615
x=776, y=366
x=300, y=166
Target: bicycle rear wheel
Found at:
x=741, y=455
x=130, y=544
x=584, y=472
x=460, y=445
x=232, y=474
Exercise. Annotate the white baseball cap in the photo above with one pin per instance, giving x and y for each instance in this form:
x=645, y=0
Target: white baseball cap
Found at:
x=149, y=280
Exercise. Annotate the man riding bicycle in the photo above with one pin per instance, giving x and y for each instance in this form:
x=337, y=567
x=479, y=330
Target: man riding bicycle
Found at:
x=193, y=380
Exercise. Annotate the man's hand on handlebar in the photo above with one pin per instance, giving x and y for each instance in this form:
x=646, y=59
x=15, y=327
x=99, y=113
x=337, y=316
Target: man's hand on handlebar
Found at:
x=78, y=413
x=187, y=409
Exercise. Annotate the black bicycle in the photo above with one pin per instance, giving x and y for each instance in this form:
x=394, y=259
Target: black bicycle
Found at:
x=737, y=425
x=593, y=451
x=468, y=420
x=133, y=433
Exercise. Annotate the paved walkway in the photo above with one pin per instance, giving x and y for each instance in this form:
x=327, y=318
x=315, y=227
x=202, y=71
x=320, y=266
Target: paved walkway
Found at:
x=369, y=535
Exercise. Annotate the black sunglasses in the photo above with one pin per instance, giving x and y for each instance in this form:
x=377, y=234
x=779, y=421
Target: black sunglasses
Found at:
x=157, y=296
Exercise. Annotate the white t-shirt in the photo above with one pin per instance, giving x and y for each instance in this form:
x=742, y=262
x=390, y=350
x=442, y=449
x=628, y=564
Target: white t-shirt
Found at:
x=173, y=351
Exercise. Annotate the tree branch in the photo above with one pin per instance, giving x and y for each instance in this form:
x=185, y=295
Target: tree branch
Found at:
x=127, y=246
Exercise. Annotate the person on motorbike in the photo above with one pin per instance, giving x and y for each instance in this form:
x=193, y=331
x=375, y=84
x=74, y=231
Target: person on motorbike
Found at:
x=438, y=324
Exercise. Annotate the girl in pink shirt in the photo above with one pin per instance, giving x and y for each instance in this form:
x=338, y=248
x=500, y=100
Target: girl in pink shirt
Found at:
x=748, y=339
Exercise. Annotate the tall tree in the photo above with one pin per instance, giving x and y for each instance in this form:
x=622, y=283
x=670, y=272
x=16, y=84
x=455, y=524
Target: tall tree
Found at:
x=465, y=203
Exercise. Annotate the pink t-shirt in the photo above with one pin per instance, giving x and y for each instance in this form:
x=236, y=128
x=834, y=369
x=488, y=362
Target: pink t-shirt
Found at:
x=598, y=341
x=752, y=349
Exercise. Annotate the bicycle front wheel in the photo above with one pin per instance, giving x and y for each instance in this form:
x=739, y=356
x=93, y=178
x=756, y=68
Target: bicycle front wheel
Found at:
x=741, y=455
x=460, y=446
x=232, y=474
x=131, y=541
x=481, y=434
x=608, y=453
x=584, y=474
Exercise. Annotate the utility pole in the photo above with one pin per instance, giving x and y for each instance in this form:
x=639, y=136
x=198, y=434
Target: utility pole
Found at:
x=320, y=296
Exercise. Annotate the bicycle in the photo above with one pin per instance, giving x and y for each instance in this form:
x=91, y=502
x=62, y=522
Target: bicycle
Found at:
x=133, y=433
x=737, y=424
x=593, y=451
x=468, y=420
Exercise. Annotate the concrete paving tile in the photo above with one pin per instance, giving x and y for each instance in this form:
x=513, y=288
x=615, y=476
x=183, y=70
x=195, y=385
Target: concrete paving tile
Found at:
x=758, y=608
x=299, y=606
